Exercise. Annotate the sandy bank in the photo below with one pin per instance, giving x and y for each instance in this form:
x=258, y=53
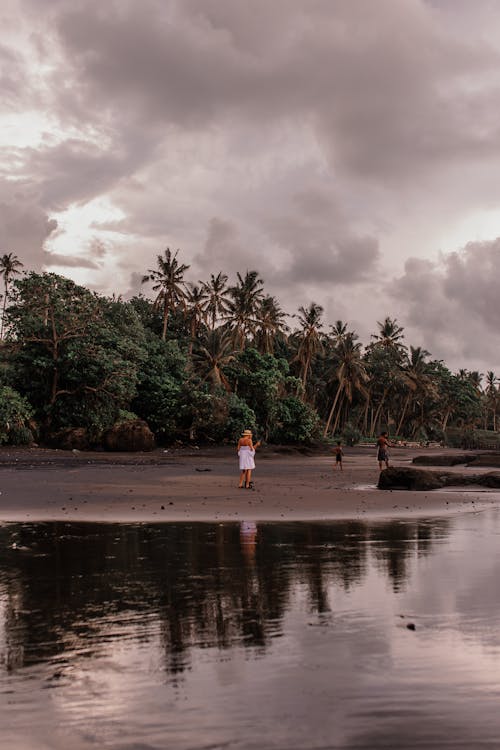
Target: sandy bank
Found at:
x=202, y=486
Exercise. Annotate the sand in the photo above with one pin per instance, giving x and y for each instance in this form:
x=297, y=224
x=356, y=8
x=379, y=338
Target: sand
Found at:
x=201, y=485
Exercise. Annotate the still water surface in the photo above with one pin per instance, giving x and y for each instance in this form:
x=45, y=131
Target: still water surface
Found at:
x=280, y=635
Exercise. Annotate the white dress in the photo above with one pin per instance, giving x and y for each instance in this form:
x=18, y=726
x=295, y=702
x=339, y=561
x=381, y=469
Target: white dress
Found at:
x=246, y=454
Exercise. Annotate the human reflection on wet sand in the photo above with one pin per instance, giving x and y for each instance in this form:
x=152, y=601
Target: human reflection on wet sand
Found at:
x=64, y=586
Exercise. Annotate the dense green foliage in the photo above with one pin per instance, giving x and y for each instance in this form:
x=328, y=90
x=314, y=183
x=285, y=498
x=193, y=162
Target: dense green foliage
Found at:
x=204, y=361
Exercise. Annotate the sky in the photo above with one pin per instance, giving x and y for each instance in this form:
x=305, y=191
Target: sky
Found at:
x=348, y=150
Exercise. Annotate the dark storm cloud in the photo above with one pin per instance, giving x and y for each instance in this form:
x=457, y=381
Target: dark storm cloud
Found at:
x=224, y=251
x=311, y=141
x=454, y=305
x=67, y=261
x=321, y=246
x=24, y=225
x=385, y=94
x=14, y=83
x=77, y=170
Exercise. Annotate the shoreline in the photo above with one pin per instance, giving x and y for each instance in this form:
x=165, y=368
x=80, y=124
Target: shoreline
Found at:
x=201, y=486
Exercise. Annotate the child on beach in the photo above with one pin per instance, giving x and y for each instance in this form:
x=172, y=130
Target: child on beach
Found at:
x=246, y=452
x=339, y=453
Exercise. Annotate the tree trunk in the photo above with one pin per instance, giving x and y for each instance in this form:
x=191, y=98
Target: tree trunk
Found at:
x=403, y=415
x=165, y=321
x=377, y=413
x=332, y=410
x=337, y=418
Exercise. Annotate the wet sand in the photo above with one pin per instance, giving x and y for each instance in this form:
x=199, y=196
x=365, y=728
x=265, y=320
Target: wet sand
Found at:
x=42, y=485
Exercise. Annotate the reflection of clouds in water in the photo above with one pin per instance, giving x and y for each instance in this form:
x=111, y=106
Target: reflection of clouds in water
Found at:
x=232, y=630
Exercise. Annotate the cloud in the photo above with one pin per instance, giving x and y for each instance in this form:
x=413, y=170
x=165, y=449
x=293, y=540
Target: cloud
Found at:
x=309, y=141
x=24, y=225
x=453, y=305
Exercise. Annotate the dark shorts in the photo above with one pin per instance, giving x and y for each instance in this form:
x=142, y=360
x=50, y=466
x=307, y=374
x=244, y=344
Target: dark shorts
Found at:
x=382, y=455
x=338, y=459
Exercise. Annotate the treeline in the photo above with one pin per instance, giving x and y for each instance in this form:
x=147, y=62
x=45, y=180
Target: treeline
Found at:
x=201, y=361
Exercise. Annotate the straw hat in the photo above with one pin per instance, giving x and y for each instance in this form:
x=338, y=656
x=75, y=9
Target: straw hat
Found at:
x=246, y=432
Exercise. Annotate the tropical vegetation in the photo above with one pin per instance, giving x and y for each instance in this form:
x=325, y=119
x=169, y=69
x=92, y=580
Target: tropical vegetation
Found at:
x=202, y=360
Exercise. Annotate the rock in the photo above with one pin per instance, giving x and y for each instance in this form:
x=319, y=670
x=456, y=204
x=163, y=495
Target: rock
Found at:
x=132, y=435
x=444, y=459
x=491, y=480
x=486, y=459
x=403, y=478
x=70, y=439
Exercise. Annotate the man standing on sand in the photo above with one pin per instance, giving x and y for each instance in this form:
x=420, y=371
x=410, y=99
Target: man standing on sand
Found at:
x=339, y=453
x=382, y=454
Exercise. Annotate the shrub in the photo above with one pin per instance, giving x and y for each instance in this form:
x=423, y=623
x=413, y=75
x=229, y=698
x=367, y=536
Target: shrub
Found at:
x=15, y=414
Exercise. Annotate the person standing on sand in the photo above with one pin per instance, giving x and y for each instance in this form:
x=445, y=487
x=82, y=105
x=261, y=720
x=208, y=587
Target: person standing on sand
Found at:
x=382, y=452
x=339, y=453
x=246, y=453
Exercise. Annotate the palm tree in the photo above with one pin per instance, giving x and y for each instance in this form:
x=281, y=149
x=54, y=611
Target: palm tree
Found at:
x=414, y=378
x=270, y=324
x=384, y=354
x=168, y=281
x=491, y=395
x=390, y=335
x=350, y=374
x=216, y=298
x=195, y=298
x=246, y=296
x=339, y=331
x=211, y=354
x=9, y=265
x=309, y=338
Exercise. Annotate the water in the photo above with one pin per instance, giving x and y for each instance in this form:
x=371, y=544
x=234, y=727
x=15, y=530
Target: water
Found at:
x=284, y=635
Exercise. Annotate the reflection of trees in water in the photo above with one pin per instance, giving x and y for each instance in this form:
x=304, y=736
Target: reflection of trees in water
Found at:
x=209, y=585
x=396, y=543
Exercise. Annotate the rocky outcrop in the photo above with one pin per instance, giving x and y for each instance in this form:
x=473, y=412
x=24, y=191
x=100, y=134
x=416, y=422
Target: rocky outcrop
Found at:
x=133, y=435
x=403, y=478
x=72, y=438
x=444, y=459
x=448, y=459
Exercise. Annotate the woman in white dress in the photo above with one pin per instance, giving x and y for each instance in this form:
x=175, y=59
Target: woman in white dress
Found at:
x=246, y=453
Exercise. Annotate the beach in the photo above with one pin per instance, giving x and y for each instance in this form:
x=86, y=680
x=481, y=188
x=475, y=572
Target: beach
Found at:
x=201, y=485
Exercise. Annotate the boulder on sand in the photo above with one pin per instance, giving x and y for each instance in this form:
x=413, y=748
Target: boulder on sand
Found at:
x=71, y=438
x=132, y=435
x=403, y=478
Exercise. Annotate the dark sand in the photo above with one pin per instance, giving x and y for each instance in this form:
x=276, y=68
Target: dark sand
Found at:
x=190, y=485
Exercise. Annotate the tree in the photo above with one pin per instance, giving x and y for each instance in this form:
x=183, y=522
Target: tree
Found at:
x=309, y=338
x=214, y=352
x=243, y=306
x=491, y=398
x=195, y=297
x=216, y=303
x=351, y=376
x=270, y=324
x=75, y=355
x=160, y=381
x=168, y=281
x=390, y=335
x=383, y=359
x=15, y=415
x=9, y=265
x=421, y=393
